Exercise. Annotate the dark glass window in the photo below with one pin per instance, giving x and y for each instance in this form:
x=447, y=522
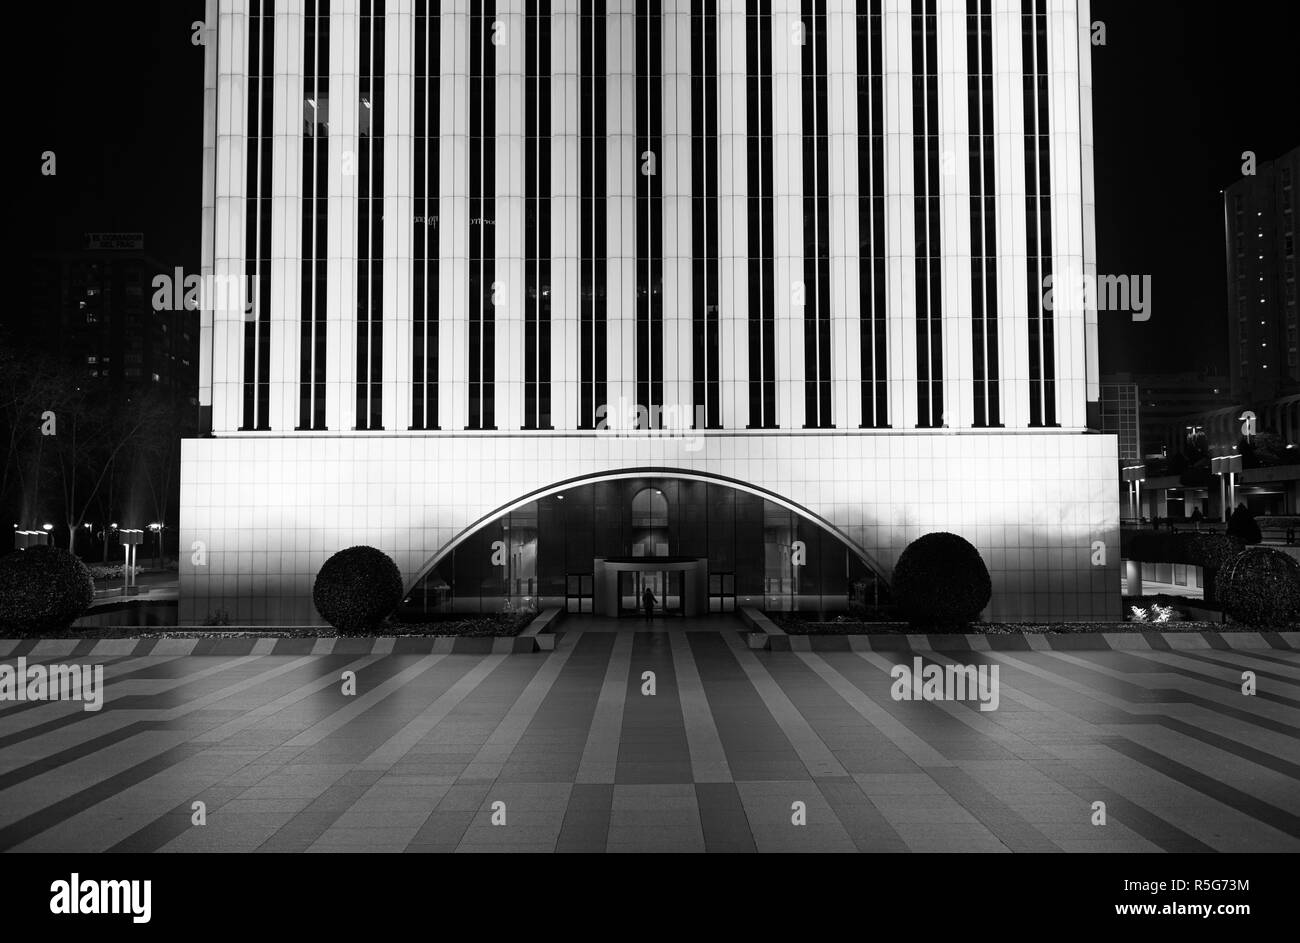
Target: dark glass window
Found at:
x=425, y=88
x=762, y=265
x=370, y=218
x=256, y=385
x=704, y=215
x=816, y=221
x=649, y=206
x=983, y=213
x=872, y=261
x=929, y=246
x=483, y=290
x=315, y=215
x=592, y=218
x=537, y=217
x=1038, y=213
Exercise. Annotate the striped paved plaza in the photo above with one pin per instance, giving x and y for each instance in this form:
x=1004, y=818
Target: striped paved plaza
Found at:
x=732, y=748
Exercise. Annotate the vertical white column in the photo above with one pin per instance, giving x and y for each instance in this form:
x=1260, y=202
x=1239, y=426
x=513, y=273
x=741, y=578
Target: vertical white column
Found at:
x=212, y=37
x=787, y=185
x=845, y=288
x=733, y=217
x=341, y=267
x=1009, y=141
x=230, y=211
x=675, y=173
x=900, y=219
x=1067, y=216
x=399, y=211
x=286, y=215
x=1088, y=195
x=955, y=219
x=623, y=164
x=453, y=212
x=565, y=213
x=509, y=227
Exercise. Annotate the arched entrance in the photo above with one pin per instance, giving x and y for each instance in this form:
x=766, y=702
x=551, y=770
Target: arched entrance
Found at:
x=701, y=543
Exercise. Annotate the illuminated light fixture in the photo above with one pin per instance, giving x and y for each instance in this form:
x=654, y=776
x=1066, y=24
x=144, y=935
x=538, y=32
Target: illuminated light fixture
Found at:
x=47, y=526
x=365, y=101
x=312, y=102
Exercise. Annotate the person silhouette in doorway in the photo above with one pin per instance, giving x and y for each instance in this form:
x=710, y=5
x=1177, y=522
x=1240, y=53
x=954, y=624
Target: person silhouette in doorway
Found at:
x=648, y=603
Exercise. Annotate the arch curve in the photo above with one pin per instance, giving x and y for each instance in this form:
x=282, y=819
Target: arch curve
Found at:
x=644, y=472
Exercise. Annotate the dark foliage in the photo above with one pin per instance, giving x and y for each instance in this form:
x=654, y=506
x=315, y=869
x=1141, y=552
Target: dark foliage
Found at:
x=1261, y=587
x=941, y=582
x=1243, y=526
x=42, y=589
x=357, y=589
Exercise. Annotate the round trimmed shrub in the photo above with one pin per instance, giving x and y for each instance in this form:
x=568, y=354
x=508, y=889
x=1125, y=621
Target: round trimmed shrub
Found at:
x=43, y=589
x=357, y=589
x=940, y=581
x=1261, y=587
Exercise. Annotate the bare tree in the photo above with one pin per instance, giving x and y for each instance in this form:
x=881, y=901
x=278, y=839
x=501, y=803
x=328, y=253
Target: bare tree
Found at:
x=90, y=439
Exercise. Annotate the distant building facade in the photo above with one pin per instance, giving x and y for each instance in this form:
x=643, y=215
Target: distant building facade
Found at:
x=94, y=310
x=1263, y=317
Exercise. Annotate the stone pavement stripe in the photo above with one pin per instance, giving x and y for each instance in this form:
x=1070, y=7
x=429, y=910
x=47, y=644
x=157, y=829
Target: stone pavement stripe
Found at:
x=1254, y=772
x=983, y=723
x=1176, y=800
x=814, y=753
x=708, y=759
x=550, y=750
x=600, y=755
x=866, y=825
x=1219, y=719
x=238, y=687
x=362, y=702
x=723, y=819
x=1275, y=658
x=148, y=814
x=861, y=748
x=399, y=744
x=255, y=716
x=914, y=747
x=31, y=718
x=1287, y=675
x=757, y=749
x=1256, y=808
x=1216, y=693
x=1162, y=831
x=1190, y=716
x=492, y=756
x=653, y=747
x=586, y=818
x=51, y=813
x=997, y=816
x=16, y=715
x=304, y=828
x=91, y=737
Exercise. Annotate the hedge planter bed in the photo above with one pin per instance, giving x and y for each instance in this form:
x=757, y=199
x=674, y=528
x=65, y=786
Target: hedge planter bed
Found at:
x=488, y=626
x=793, y=626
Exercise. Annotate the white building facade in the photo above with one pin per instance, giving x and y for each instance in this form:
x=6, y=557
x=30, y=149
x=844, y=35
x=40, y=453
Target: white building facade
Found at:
x=778, y=266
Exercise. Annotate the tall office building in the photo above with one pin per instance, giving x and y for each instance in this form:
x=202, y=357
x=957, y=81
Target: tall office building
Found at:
x=554, y=301
x=1263, y=317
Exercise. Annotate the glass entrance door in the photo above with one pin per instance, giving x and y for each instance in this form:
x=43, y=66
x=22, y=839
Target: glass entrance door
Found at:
x=667, y=586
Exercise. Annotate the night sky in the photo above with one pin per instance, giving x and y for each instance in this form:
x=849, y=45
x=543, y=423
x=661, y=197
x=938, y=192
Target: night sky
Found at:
x=1179, y=93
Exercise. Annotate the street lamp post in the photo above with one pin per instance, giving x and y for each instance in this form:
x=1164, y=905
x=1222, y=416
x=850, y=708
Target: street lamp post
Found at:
x=157, y=528
x=131, y=538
